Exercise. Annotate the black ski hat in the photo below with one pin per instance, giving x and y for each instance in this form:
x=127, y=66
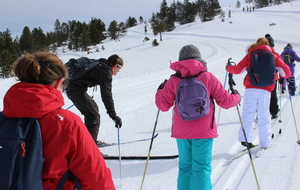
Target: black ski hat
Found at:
x=270, y=39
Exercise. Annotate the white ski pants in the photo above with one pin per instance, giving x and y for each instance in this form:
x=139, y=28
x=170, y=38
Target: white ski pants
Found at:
x=256, y=101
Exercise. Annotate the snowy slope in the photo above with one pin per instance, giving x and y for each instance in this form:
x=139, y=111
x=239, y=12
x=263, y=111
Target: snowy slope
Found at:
x=146, y=67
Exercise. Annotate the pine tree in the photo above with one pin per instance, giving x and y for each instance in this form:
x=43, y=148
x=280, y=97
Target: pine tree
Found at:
x=130, y=22
x=26, y=41
x=113, y=30
x=262, y=3
x=277, y=2
x=64, y=32
x=61, y=32
x=180, y=13
x=122, y=28
x=157, y=26
x=39, y=40
x=141, y=19
x=171, y=17
x=163, y=10
x=75, y=34
x=190, y=11
x=238, y=4
x=96, y=29
x=9, y=53
x=166, y=17
x=211, y=8
x=186, y=12
x=85, y=39
x=57, y=31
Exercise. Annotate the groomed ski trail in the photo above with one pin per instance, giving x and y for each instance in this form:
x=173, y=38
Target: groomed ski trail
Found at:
x=225, y=177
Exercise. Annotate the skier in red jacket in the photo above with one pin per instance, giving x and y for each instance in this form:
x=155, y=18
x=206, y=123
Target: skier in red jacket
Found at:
x=257, y=99
x=67, y=144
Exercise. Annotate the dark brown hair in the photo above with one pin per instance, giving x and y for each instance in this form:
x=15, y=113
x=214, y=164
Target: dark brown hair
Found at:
x=42, y=67
x=290, y=45
x=115, y=59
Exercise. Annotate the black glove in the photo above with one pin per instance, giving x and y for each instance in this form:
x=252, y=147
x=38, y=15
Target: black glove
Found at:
x=116, y=119
x=161, y=86
x=231, y=82
x=234, y=92
x=281, y=80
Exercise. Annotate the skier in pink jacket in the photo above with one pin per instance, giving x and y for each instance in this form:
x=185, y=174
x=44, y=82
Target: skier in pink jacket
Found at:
x=194, y=138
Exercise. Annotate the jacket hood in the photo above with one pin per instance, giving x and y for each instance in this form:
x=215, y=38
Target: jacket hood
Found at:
x=31, y=100
x=188, y=67
x=287, y=48
x=265, y=47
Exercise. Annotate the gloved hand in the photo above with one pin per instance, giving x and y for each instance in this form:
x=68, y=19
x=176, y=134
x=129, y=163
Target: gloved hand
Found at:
x=281, y=80
x=235, y=92
x=161, y=86
x=116, y=119
x=229, y=62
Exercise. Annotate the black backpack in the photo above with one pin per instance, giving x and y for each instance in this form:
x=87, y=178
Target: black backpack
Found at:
x=287, y=58
x=78, y=67
x=262, y=68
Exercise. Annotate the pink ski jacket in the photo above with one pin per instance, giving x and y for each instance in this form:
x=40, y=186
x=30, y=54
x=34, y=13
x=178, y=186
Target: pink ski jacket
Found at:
x=283, y=69
x=202, y=128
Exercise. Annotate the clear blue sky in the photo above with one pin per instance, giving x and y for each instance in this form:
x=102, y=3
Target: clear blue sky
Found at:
x=16, y=14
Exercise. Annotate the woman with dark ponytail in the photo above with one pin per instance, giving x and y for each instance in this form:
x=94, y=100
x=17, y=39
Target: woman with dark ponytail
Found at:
x=67, y=144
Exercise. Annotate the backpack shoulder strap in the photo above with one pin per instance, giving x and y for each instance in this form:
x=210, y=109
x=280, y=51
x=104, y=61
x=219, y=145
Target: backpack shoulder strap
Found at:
x=65, y=177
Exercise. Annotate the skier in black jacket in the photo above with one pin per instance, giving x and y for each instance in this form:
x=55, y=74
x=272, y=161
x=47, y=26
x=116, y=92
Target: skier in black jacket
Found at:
x=77, y=93
x=274, y=108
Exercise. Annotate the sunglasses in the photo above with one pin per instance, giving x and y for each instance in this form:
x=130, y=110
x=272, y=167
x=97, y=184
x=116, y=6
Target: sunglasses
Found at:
x=119, y=66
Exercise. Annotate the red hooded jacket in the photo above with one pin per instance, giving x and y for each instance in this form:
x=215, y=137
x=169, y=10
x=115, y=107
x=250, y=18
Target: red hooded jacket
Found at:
x=67, y=144
x=283, y=69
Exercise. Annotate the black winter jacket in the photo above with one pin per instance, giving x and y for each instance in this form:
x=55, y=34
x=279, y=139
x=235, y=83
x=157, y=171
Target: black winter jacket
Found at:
x=99, y=75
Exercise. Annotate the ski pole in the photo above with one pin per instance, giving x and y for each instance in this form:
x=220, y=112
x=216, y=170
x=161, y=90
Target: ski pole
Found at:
x=229, y=62
x=298, y=141
x=119, y=149
x=231, y=83
x=150, y=147
x=280, y=89
x=248, y=148
x=224, y=88
x=69, y=106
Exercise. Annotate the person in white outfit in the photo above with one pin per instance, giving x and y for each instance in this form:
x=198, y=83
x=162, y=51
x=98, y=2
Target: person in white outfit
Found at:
x=257, y=99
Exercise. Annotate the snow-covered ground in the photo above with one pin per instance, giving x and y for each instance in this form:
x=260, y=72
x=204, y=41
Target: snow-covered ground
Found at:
x=146, y=67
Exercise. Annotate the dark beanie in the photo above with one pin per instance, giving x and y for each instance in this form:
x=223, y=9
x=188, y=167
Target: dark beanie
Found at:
x=270, y=40
x=189, y=52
